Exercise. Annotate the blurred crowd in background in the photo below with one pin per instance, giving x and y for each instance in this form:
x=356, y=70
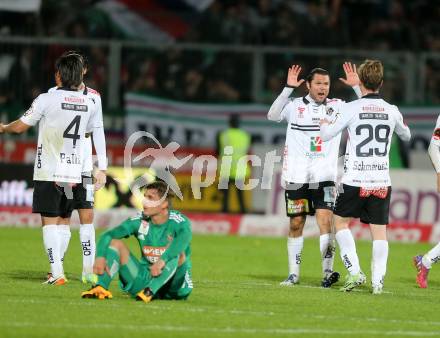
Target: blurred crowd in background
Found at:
x=225, y=76
x=357, y=24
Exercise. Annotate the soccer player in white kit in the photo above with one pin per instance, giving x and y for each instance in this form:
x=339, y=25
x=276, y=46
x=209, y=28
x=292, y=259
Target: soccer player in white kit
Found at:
x=83, y=194
x=64, y=117
x=423, y=263
x=366, y=184
x=310, y=165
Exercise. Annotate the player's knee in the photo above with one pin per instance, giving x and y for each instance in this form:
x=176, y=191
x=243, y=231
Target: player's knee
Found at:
x=296, y=223
x=117, y=244
x=86, y=216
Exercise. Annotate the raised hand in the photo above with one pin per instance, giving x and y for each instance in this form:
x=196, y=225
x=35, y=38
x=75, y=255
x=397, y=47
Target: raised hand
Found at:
x=351, y=75
x=292, y=76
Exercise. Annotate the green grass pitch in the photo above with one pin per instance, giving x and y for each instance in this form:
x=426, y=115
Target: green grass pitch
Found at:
x=236, y=295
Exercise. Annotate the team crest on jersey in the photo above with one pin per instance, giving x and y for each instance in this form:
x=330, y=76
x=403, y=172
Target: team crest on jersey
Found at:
x=329, y=111
x=315, y=144
x=436, y=135
x=301, y=112
x=143, y=229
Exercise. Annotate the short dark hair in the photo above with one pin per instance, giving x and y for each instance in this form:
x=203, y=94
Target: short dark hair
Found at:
x=320, y=71
x=162, y=189
x=79, y=54
x=70, y=69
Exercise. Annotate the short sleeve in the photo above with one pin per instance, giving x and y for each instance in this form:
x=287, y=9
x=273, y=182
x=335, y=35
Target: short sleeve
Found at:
x=435, y=139
x=34, y=113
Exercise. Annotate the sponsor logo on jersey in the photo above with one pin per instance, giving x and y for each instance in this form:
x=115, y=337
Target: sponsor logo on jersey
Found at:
x=297, y=206
x=301, y=112
x=373, y=116
x=75, y=107
x=143, y=229
x=436, y=135
x=70, y=159
x=373, y=108
x=73, y=99
x=381, y=192
x=153, y=253
x=315, y=143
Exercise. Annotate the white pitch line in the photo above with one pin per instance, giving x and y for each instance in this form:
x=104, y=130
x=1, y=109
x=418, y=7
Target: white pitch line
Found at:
x=162, y=307
x=222, y=330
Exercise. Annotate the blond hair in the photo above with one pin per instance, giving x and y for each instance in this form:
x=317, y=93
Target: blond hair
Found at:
x=371, y=74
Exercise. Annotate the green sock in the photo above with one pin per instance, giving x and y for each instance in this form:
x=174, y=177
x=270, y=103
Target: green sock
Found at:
x=112, y=259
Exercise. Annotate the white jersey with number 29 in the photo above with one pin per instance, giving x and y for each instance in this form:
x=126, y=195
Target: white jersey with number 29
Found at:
x=370, y=122
x=64, y=116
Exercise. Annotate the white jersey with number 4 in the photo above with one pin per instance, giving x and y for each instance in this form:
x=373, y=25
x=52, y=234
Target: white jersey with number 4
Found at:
x=370, y=122
x=307, y=158
x=87, y=153
x=64, y=117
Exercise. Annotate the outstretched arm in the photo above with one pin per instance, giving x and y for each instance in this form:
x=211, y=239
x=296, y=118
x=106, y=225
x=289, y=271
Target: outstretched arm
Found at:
x=401, y=129
x=276, y=111
x=330, y=130
x=16, y=127
x=351, y=78
x=434, y=151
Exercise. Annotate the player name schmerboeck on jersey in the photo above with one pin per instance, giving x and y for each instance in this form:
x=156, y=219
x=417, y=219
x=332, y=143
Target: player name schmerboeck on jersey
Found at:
x=371, y=122
x=64, y=117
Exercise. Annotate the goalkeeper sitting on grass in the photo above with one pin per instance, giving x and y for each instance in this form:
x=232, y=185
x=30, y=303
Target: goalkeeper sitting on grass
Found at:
x=164, y=237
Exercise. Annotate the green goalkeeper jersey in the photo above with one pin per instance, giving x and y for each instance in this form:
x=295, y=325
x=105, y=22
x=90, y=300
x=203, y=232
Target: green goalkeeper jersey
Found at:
x=166, y=241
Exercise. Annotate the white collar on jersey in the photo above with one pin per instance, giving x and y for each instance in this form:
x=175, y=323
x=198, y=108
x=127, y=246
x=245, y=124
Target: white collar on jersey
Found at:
x=308, y=99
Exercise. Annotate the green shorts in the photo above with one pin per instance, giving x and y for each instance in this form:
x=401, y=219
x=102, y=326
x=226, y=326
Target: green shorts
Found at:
x=179, y=287
x=135, y=276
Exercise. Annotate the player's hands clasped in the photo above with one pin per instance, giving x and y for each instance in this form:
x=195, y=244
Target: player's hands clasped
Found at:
x=2, y=128
x=156, y=268
x=292, y=76
x=351, y=75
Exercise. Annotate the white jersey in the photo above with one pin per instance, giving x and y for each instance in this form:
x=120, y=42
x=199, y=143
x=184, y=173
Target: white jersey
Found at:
x=64, y=117
x=307, y=158
x=87, y=152
x=434, y=146
x=435, y=139
x=371, y=122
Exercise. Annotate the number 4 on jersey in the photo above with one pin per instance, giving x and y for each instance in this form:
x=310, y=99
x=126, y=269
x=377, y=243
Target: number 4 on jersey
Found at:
x=75, y=136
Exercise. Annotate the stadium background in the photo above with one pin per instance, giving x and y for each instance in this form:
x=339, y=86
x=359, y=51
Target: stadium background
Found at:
x=157, y=62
